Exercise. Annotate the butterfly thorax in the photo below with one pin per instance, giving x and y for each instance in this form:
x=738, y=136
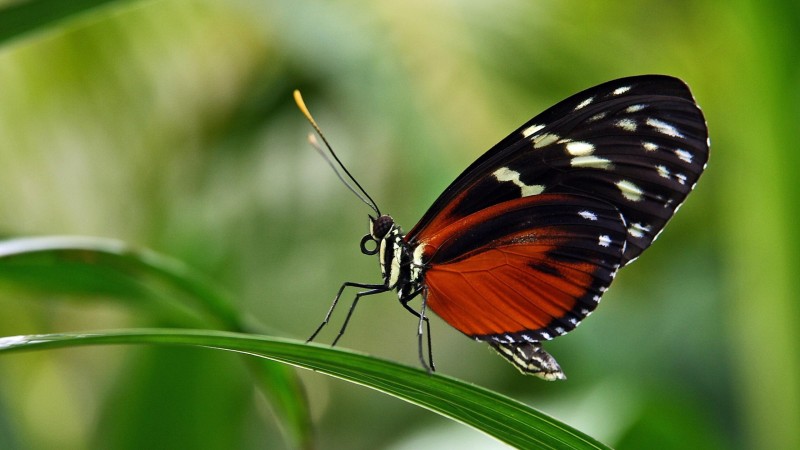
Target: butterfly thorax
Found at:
x=395, y=255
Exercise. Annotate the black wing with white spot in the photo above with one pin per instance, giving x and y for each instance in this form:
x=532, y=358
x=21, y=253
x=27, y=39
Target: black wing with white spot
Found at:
x=638, y=143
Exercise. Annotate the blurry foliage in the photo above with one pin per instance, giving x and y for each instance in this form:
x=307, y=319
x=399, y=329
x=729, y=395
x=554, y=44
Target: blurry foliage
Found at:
x=170, y=125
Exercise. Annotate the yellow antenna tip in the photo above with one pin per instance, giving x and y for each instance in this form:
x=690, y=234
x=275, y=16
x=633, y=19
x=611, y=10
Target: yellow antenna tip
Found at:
x=302, y=106
x=298, y=98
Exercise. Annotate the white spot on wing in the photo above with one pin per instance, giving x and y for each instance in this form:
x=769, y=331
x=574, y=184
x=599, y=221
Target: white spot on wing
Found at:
x=621, y=90
x=684, y=155
x=626, y=124
x=634, y=108
x=506, y=174
x=579, y=148
x=590, y=162
x=638, y=230
x=630, y=191
x=663, y=171
x=588, y=215
x=649, y=146
x=584, y=103
x=663, y=127
x=681, y=178
x=531, y=129
x=604, y=240
x=597, y=116
x=544, y=140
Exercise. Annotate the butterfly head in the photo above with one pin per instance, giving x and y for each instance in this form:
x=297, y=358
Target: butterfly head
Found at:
x=379, y=228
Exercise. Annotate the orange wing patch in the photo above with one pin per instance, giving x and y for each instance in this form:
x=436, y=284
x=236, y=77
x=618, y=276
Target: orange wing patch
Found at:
x=522, y=280
x=499, y=290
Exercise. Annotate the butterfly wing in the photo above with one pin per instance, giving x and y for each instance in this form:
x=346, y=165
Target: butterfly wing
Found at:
x=525, y=270
x=637, y=143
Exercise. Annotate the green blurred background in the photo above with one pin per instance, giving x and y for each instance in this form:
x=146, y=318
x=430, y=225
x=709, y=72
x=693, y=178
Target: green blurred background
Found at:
x=170, y=125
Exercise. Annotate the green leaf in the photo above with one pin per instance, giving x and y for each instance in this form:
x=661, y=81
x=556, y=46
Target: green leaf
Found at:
x=95, y=266
x=498, y=416
x=34, y=15
x=87, y=265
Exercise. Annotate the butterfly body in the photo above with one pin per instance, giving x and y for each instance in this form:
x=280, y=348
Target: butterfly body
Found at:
x=520, y=248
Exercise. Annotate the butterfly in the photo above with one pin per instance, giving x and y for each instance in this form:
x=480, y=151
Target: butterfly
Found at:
x=520, y=248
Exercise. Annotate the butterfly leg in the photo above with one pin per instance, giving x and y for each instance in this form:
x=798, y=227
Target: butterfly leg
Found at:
x=373, y=289
x=429, y=366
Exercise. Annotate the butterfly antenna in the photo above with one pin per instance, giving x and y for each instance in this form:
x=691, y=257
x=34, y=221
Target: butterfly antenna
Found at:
x=315, y=143
x=365, y=197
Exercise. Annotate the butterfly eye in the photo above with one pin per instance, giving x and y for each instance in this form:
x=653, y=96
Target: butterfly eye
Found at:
x=367, y=251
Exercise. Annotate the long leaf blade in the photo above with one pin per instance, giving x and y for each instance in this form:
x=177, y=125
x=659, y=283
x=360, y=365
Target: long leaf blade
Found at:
x=498, y=416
